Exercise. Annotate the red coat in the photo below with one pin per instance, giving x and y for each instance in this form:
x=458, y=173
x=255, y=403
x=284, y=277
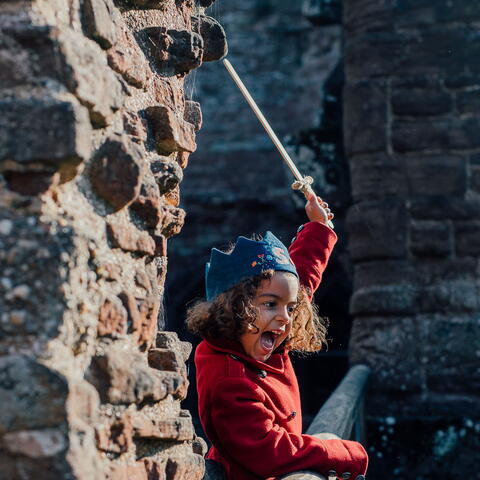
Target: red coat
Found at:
x=251, y=411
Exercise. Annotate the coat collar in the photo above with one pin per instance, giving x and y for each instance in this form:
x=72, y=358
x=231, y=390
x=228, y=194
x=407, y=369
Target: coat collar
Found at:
x=274, y=364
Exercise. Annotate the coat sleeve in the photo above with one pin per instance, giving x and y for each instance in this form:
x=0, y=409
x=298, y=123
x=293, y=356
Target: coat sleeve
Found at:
x=251, y=437
x=310, y=251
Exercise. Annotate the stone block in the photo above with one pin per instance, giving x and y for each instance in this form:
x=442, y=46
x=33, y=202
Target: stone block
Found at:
x=29, y=183
x=142, y=316
x=172, y=134
x=112, y=318
x=365, y=125
x=383, y=272
x=193, y=114
x=101, y=21
x=173, y=197
x=172, y=221
x=438, y=11
x=380, y=342
x=121, y=376
x=166, y=359
x=215, y=45
x=448, y=367
x=378, y=229
x=444, y=134
x=45, y=133
x=179, y=428
x=431, y=239
x=420, y=102
x=467, y=238
x=35, y=443
x=377, y=175
x=462, y=79
x=468, y=101
x=384, y=300
x=15, y=66
x=191, y=467
x=148, y=205
x=135, y=126
x=33, y=396
x=440, y=208
x=84, y=60
x=456, y=296
x=115, y=437
x=436, y=175
x=130, y=239
x=367, y=16
x=167, y=174
x=127, y=59
x=170, y=340
x=176, y=52
x=116, y=172
x=431, y=51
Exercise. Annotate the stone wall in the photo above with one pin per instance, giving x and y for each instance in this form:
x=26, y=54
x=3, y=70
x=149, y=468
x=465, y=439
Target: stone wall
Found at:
x=95, y=132
x=411, y=134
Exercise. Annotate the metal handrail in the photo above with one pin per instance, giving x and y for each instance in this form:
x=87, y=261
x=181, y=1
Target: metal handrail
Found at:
x=341, y=414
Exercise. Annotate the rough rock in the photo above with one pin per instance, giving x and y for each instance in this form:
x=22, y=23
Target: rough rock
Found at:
x=35, y=443
x=45, y=133
x=193, y=114
x=122, y=377
x=130, y=239
x=148, y=205
x=101, y=20
x=167, y=174
x=179, y=428
x=172, y=134
x=33, y=396
x=215, y=45
x=177, y=51
x=84, y=60
x=126, y=58
x=116, y=172
x=112, y=318
x=172, y=221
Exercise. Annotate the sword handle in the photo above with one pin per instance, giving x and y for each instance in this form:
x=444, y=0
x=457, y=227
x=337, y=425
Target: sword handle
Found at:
x=308, y=191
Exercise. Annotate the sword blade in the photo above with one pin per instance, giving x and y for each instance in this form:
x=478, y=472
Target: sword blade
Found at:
x=262, y=120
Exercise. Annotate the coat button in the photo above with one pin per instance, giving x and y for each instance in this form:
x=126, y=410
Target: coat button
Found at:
x=262, y=373
x=300, y=228
x=360, y=477
x=332, y=474
x=346, y=475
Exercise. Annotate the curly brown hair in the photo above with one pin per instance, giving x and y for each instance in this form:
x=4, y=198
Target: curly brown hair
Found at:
x=232, y=313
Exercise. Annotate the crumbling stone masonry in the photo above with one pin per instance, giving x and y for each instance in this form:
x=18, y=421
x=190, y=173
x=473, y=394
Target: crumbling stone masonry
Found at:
x=95, y=132
x=411, y=135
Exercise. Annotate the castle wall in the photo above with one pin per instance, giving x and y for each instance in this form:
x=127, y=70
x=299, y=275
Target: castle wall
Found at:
x=95, y=132
x=410, y=130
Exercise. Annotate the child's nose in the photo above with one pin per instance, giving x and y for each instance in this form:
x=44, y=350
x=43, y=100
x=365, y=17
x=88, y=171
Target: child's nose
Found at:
x=284, y=316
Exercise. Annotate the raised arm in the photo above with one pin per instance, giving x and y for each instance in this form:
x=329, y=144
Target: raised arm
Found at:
x=310, y=252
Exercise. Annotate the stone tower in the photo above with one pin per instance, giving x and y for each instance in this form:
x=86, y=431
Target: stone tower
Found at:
x=95, y=132
x=411, y=135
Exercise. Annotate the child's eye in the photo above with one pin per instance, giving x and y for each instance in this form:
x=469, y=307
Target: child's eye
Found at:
x=291, y=308
x=270, y=304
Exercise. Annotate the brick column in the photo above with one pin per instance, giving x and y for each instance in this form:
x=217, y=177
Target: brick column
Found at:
x=411, y=135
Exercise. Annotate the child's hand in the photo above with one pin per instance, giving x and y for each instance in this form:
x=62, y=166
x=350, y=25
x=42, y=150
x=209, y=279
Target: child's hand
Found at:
x=317, y=210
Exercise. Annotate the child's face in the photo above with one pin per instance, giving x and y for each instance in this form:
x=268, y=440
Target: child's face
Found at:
x=275, y=299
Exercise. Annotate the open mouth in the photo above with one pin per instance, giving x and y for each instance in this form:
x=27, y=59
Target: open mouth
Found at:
x=268, y=339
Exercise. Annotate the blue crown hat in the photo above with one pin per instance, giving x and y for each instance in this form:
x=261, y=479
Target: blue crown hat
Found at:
x=247, y=259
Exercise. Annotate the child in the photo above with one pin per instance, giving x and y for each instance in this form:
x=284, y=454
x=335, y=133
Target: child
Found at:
x=257, y=310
